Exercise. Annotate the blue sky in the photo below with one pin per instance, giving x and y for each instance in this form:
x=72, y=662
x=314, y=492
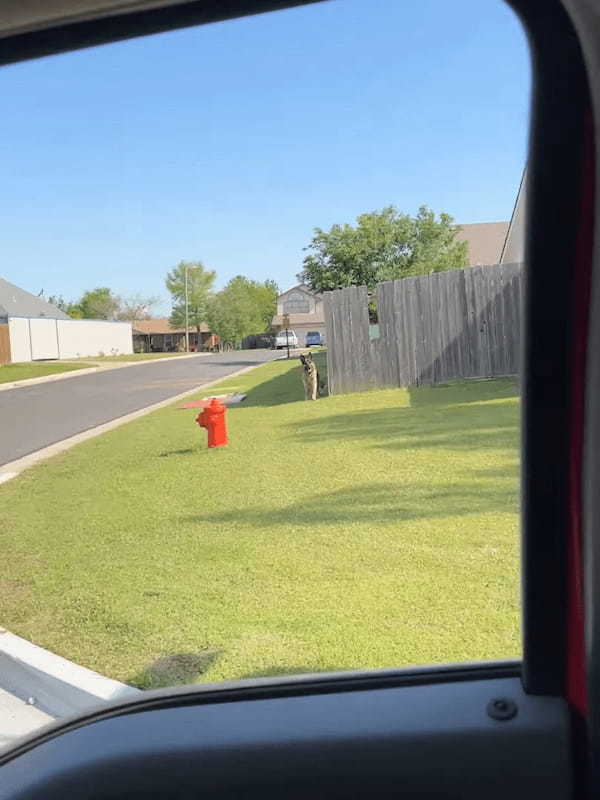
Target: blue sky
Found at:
x=229, y=143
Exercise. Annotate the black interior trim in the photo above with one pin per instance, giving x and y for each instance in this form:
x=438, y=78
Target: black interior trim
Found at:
x=74, y=36
x=560, y=98
x=428, y=741
x=271, y=688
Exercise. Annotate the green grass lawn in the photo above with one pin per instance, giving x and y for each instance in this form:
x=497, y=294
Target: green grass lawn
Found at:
x=367, y=530
x=34, y=369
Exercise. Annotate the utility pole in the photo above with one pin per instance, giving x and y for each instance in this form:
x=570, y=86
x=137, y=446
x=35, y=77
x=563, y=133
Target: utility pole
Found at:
x=187, y=333
x=286, y=322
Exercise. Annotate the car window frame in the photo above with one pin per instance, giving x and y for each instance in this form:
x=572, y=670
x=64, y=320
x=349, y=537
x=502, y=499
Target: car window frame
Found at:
x=552, y=472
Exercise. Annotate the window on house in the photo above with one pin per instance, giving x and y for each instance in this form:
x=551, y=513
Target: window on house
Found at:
x=296, y=303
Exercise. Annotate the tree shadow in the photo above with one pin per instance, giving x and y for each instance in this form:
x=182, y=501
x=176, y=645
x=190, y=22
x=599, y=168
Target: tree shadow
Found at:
x=461, y=391
x=375, y=503
x=460, y=427
x=286, y=388
x=174, y=669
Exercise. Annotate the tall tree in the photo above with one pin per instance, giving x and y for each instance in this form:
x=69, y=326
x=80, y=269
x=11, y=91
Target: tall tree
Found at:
x=136, y=306
x=242, y=308
x=200, y=283
x=383, y=245
x=99, y=303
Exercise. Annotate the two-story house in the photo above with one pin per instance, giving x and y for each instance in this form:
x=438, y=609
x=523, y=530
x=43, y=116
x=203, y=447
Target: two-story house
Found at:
x=305, y=310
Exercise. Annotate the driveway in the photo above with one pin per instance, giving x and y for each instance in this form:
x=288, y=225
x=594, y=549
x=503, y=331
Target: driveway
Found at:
x=33, y=417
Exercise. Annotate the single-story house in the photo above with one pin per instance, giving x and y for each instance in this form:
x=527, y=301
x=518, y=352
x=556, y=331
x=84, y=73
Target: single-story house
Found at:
x=305, y=310
x=33, y=330
x=158, y=336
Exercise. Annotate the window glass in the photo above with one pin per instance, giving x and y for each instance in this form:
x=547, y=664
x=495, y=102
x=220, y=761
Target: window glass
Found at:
x=367, y=155
x=296, y=303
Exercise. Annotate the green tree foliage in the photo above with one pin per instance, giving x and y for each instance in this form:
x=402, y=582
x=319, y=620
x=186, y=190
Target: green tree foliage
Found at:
x=200, y=283
x=243, y=308
x=383, y=245
x=99, y=303
x=72, y=309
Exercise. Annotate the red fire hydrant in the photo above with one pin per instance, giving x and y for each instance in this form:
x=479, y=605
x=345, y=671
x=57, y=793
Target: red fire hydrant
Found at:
x=213, y=419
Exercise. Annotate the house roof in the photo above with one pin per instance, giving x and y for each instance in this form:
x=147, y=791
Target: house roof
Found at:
x=485, y=241
x=300, y=287
x=15, y=302
x=162, y=325
x=300, y=319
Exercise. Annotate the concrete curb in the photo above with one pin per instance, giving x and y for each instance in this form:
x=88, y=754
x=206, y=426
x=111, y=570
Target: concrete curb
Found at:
x=53, y=684
x=13, y=468
x=76, y=373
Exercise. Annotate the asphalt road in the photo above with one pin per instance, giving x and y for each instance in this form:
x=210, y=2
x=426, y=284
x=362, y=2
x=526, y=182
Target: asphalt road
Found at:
x=35, y=416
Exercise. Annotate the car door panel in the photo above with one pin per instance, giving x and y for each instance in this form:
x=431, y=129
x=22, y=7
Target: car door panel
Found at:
x=312, y=738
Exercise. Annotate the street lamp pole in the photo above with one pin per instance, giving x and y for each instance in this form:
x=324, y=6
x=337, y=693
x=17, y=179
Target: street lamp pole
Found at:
x=286, y=321
x=187, y=333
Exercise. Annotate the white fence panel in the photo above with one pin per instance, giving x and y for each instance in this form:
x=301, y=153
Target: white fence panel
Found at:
x=20, y=344
x=92, y=337
x=44, y=343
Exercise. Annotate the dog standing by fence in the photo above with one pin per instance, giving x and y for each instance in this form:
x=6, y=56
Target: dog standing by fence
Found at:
x=310, y=377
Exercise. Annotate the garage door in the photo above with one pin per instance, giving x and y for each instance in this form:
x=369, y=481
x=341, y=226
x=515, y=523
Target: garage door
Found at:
x=43, y=338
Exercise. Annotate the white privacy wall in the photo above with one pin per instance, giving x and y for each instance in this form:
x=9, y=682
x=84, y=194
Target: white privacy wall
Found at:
x=37, y=338
x=93, y=337
x=20, y=346
x=44, y=338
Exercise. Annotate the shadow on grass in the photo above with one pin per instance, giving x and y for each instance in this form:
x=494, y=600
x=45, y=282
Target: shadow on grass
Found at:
x=445, y=394
x=432, y=423
x=183, y=452
x=375, y=503
x=286, y=388
x=476, y=426
x=174, y=669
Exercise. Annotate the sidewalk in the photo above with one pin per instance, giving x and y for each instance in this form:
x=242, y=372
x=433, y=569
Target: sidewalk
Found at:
x=19, y=718
x=38, y=687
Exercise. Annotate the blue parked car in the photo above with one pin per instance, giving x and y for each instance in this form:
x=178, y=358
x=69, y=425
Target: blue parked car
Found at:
x=313, y=339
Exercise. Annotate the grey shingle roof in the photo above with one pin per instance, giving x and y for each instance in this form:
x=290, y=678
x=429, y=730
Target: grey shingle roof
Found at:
x=15, y=302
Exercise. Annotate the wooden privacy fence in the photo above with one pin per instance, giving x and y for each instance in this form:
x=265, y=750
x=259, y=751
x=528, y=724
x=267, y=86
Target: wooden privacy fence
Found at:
x=432, y=328
x=4, y=344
